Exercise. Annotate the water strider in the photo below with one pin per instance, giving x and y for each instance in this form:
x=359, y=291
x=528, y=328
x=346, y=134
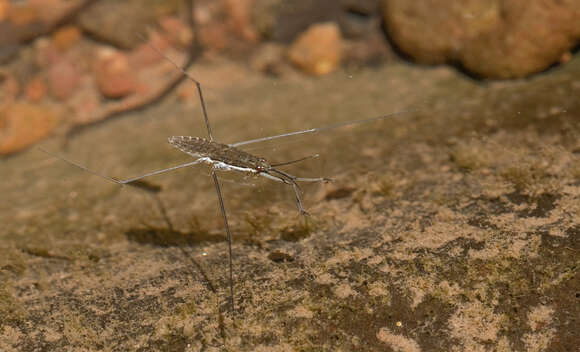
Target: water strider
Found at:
x=230, y=157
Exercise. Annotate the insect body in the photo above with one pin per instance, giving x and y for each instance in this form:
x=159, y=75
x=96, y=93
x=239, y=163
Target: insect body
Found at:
x=217, y=152
x=229, y=158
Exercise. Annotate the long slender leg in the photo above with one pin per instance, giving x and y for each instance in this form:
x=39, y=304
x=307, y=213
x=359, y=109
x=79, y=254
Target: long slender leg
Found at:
x=197, y=84
x=298, y=199
x=309, y=179
x=229, y=235
x=301, y=179
x=112, y=179
x=296, y=161
x=290, y=179
x=291, y=182
x=129, y=180
x=108, y=178
x=325, y=128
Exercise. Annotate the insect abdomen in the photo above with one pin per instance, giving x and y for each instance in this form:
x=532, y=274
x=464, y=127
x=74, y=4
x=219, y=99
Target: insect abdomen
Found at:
x=200, y=147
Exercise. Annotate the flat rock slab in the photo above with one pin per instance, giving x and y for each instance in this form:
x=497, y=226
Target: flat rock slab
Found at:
x=454, y=227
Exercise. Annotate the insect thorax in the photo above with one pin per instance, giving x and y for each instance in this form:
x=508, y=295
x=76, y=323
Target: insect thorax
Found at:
x=203, y=148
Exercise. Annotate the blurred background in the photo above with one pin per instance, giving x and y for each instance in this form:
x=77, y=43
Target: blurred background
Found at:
x=71, y=63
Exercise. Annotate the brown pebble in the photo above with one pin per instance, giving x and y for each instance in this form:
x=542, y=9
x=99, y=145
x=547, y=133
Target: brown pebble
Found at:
x=279, y=257
x=114, y=75
x=318, y=50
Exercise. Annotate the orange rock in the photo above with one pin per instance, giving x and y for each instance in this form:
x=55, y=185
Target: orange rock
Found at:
x=23, y=124
x=318, y=50
x=35, y=90
x=66, y=37
x=115, y=76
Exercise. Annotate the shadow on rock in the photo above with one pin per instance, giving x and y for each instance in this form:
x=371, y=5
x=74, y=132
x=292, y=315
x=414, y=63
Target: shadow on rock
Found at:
x=165, y=237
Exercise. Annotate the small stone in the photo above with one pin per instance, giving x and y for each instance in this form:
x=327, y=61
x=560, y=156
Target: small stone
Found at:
x=23, y=124
x=63, y=79
x=35, y=89
x=66, y=37
x=279, y=257
x=114, y=75
x=317, y=51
